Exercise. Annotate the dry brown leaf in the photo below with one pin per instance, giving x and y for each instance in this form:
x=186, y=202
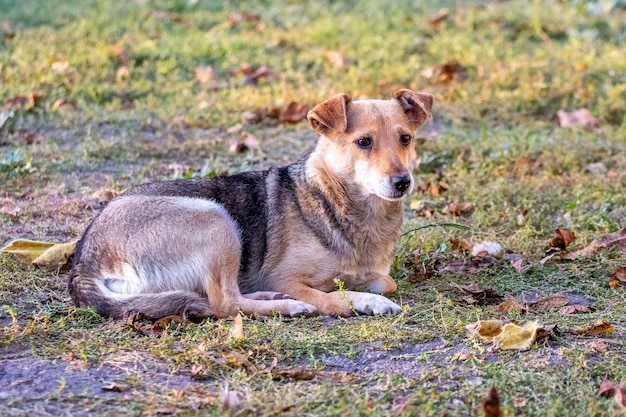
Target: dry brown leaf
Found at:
x=461, y=245
x=548, y=303
x=293, y=112
x=615, y=391
x=243, y=16
x=519, y=266
x=459, y=209
x=562, y=239
x=574, y=309
x=419, y=276
x=617, y=239
x=236, y=330
x=491, y=405
x=580, y=117
x=296, y=374
x=446, y=73
x=473, y=293
x=24, y=102
x=521, y=218
x=598, y=346
x=165, y=323
x=463, y=356
x=619, y=274
x=593, y=329
x=246, y=142
x=519, y=401
x=508, y=306
x=196, y=369
x=253, y=77
x=337, y=59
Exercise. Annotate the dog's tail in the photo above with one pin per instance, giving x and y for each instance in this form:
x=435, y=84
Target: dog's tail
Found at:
x=89, y=292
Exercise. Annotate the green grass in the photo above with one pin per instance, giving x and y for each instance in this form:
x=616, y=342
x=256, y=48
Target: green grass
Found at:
x=498, y=145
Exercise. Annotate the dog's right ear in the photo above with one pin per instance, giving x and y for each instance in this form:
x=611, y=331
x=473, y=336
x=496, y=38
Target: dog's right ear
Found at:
x=330, y=117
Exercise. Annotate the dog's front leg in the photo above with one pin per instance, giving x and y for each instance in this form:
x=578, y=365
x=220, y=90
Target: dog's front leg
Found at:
x=343, y=303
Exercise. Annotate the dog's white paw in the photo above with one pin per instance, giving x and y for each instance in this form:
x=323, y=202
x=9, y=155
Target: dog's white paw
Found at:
x=374, y=304
x=294, y=308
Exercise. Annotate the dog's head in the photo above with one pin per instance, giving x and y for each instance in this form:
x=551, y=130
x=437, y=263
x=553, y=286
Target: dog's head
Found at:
x=372, y=140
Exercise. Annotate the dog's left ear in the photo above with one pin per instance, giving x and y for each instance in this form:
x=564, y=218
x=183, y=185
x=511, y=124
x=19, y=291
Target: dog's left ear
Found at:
x=417, y=106
x=331, y=116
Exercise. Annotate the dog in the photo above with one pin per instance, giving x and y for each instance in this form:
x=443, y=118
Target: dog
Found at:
x=304, y=239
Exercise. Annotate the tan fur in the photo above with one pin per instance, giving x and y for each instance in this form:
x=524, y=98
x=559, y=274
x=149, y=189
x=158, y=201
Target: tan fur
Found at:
x=192, y=247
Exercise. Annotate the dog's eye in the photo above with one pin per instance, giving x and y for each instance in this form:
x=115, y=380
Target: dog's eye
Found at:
x=365, y=142
x=405, y=139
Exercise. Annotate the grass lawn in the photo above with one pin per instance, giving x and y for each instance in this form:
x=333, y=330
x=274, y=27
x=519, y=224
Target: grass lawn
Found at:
x=98, y=96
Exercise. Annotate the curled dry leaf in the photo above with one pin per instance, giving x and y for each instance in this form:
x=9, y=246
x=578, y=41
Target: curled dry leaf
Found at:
x=165, y=323
x=594, y=329
x=473, y=293
x=51, y=256
x=253, y=77
x=580, y=117
x=236, y=330
x=337, y=59
x=508, y=306
x=445, y=73
x=617, y=239
x=246, y=142
x=509, y=335
x=461, y=245
x=615, y=391
x=459, y=209
x=548, y=303
x=618, y=277
x=562, y=239
x=23, y=102
x=521, y=218
x=486, y=330
x=575, y=309
x=598, y=346
x=293, y=112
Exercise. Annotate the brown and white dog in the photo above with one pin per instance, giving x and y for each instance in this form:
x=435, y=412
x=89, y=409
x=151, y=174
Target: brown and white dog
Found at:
x=265, y=241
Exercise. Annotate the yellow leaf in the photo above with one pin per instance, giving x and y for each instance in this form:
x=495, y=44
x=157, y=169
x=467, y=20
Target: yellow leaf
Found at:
x=516, y=337
x=486, y=330
x=236, y=331
x=42, y=254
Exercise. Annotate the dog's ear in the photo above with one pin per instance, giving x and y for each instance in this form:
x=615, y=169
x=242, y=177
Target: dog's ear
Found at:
x=417, y=106
x=330, y=116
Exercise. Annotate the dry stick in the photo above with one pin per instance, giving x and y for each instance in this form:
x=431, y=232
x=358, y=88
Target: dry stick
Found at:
x=443, y=224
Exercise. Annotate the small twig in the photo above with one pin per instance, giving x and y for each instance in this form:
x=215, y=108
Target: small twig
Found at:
x=442, y=224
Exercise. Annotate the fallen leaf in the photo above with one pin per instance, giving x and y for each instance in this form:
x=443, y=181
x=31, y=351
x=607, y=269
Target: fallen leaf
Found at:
x=196, y=369
x=473, y=293
x=60, y=67
x=463, y=356
x=593, y=329
x=236, y=330
x=115, y=387
x=24, y=102
x=461, y=245
x=562, y=239
x=293, y=112
x=518, y=265
x=203, y=74
x=446, y=73
x=492, y=248
x=486, y=330
x=246, y=142
x=459, y=209
x=419, y=276
x=434, y=187
x=619, y=274
x=337, y=59
x=617, y=239
x=574, y=309
x=516, y=337
x=251, y=78
x=580, y=117
x=491, y=405
x=296, y=374
x=165, y=323
x=521, y=218
x=436, y=21
x=508, y=306
x=548, y=303
x=51, y=256
x=615, y=391
x=598, y=346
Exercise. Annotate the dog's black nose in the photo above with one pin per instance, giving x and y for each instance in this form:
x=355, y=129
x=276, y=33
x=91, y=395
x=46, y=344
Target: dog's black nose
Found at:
x=401, y=182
